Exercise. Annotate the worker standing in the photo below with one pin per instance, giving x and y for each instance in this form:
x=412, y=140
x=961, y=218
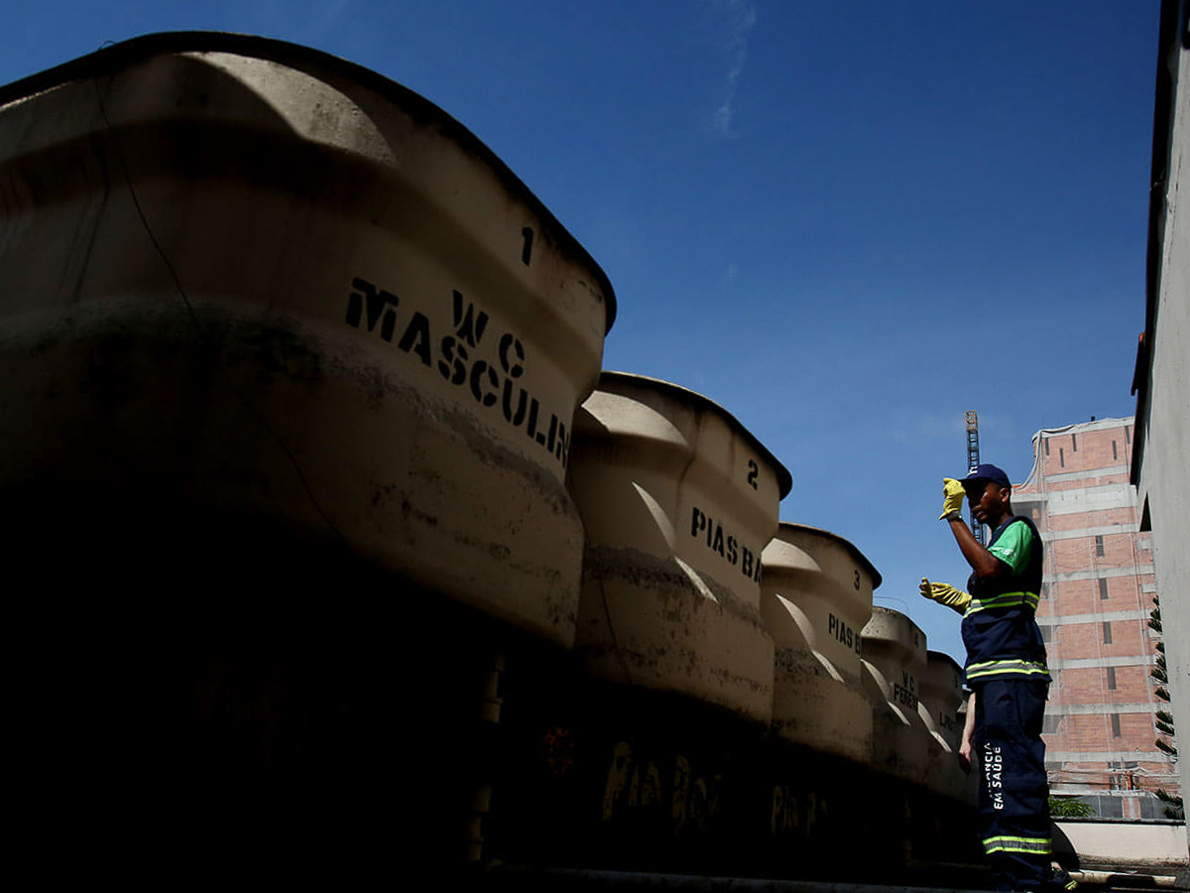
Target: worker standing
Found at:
x=1007, y=675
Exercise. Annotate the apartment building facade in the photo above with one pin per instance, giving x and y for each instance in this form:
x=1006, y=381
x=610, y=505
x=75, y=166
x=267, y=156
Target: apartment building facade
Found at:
x=1097, y=599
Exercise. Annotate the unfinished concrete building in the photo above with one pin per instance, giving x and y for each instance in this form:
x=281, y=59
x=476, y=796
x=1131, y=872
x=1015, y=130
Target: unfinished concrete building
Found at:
x=1094, y=615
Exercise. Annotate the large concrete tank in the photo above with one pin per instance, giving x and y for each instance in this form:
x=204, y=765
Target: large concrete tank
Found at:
x=816, y=598
x=894, y=661
x=679, y=501
x=941, y=695
x=250, y=280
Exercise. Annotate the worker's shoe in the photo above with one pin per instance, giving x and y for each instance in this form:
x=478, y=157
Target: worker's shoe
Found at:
x=1060, y=880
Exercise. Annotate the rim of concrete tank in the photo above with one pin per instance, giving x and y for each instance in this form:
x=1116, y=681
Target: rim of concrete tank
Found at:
x=685, y=395
x=931, y=654
x=908, y=619
x=111, y=58
x=851, y=547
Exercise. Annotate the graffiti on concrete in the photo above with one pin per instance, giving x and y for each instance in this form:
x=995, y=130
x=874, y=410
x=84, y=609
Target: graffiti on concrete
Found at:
x=635, y=786
x=559, y=751
x=796, y=812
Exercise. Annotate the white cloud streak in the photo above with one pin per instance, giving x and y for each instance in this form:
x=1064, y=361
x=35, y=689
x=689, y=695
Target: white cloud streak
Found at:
x=740, y=19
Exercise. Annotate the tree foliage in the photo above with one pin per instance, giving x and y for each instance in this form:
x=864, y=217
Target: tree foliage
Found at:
x=1070, y=808
x=1174, y=808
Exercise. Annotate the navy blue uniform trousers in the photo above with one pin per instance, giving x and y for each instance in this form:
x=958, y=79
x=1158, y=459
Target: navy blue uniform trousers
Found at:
x=1013, y=789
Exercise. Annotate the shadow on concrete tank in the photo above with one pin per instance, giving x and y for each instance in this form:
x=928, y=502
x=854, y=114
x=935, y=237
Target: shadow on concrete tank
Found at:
x=647, y=755
x=295, y=369
x=817, y=598
x=678, y=502
x=291, y=364
x=935, y=825
x=894, y=658
x=941, y=695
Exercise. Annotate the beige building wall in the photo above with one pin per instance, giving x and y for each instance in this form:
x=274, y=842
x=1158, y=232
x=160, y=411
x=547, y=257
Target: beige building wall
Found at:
x=1161, y=469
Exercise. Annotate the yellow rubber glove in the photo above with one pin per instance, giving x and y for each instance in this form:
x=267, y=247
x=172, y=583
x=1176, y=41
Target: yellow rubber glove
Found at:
x=952, y=492
x=945, y=594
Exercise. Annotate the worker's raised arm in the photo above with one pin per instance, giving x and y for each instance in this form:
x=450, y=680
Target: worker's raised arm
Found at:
x=986, y=565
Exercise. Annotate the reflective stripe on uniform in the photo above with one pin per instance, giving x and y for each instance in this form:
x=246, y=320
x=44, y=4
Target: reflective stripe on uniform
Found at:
x=1037, y=846
x=1024, y=668
x=1005, y=600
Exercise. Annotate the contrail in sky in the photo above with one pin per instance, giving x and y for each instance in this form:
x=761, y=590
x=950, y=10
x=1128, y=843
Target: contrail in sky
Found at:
x=741, y=17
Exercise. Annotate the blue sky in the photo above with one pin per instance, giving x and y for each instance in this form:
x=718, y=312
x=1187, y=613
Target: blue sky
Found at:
x=846, y=222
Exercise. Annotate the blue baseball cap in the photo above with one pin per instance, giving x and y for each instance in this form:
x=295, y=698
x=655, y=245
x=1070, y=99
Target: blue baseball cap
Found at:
x=991, y=473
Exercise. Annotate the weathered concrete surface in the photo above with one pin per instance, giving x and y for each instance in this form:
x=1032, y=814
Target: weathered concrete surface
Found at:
x=240, y=274
x=941, y=696
x=894, y=660
x=562, y=879
x=678, y=501
x=816, y=596
x=1158, y=848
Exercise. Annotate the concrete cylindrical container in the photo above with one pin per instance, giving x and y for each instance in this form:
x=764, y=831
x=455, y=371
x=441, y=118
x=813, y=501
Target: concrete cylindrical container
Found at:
x=894, y=660
x=941, y=695
x=252, y=278
x=679, y=500
x=816, y=597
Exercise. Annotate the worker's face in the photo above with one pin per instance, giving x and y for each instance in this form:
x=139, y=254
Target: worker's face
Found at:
x=987, y=500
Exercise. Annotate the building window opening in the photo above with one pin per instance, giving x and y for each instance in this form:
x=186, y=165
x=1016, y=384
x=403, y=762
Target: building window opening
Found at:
x=1107, y=632
x=1126, y=780
x=1074, y=443
x=1046, y=441
x=1102, y=588
x=1111, y=678
x=1051, y=725
x=1127, y=435
x=1047, y=633
x=1061, y=457
x=1099, y=546
x=1105, y=806
x=1115, y=725
x=1115, y=453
